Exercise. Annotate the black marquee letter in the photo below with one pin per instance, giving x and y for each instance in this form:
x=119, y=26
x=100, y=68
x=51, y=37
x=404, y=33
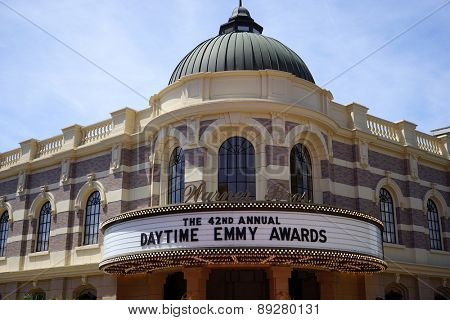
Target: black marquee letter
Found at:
x=274, y=234
x=144, y=239
x=323, y=237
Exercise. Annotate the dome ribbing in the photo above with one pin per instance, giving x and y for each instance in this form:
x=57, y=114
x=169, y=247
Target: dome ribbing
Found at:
x=241, y=46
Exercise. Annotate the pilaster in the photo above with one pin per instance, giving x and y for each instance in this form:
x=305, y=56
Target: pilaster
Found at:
x=156, y=281
x=72, y=137
x=279, y=282
x=56, y=289
x=328, y=285
x=108, y=289
x=445, y=140
x=196, y=282
x=408, y=133
x=123, y=120
x=358, y=117
x=29, y=150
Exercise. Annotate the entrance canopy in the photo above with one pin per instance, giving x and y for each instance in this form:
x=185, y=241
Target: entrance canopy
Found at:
x=257, y=233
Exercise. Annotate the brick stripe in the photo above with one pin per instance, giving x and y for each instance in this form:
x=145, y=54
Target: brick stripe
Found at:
x=138, y=204
x=137, y=179
x=140, y=156
x=137, y=156
x=267, y=123
x=414, y=239
x=43, y=178
x=278, y=156
x=195, y=157
x=98, y=164
x=433, y=175
x=344, y=151
x=411, y=217
x=365, y=178
x=8, y=187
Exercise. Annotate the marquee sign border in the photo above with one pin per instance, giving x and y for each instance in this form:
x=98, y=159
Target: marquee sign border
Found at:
x=330, y=260
x=227, y=206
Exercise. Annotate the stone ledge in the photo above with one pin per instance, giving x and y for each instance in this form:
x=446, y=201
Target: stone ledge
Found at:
x=89, y=247
x=441, y=252
x=39, y=254
x=394, y=246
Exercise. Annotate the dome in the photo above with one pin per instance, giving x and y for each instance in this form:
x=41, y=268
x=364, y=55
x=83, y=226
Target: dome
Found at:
x=241, y=46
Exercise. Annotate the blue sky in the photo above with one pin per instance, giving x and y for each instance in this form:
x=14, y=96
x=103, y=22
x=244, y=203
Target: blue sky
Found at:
x=45, y=87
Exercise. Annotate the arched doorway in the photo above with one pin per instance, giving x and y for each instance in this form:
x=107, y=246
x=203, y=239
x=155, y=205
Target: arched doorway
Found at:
x=87, y=294
x=224, y=284
x=396, y=291
x=442, y=293
x=393, y=295
x=175, y=287
x=36, y=294
x=303, y=285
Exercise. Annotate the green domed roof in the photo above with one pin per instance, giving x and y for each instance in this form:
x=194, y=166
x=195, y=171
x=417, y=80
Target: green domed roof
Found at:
x=241, y=46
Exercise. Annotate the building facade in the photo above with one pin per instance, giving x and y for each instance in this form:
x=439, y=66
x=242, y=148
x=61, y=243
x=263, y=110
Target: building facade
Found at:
x=242, y=180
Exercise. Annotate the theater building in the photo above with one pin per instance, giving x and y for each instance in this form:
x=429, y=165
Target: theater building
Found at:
x=242, y=180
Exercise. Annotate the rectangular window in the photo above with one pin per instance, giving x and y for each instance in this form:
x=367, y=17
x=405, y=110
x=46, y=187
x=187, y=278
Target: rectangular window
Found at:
x=243, y=28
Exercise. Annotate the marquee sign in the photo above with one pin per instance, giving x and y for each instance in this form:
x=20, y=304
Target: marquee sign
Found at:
x=202, y=233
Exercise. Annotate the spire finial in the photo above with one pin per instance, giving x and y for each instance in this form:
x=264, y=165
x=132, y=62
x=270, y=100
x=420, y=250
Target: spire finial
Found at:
x=240, y=21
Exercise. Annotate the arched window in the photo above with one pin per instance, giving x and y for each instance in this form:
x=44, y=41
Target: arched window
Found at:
x=434, y=225
x=301, y=173
x=237, y=167
x=396, y=291
x=92, y=217
x=176, y=177
x=43, y=234
x=87, y=294
x=35, y=295
x=4, y=227
x=387, y=216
